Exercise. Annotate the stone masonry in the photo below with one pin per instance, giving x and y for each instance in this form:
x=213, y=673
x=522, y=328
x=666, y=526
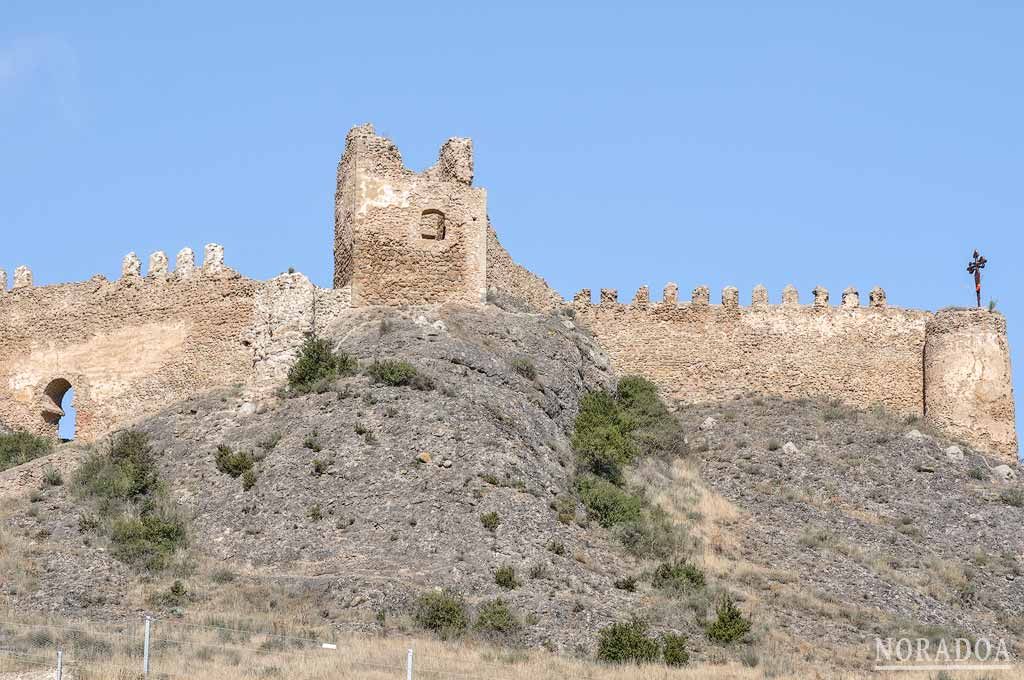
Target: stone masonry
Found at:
x=131, y=346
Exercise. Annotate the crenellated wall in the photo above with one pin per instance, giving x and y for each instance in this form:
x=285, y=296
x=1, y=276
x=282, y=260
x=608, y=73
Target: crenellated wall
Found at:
x=864, y=355
x=134, y=345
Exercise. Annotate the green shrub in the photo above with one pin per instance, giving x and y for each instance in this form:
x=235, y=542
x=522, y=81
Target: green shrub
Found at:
x=312, y=442
x=774, y=445
x=565, y=506
x=627, y=583
x=232, y=462
x=317, y=364
x=655, y=430
x=490, y=520
x=601, y=437
x=127, y=471
x=319, y=466
x=673, y=649
x=677, y=577
x=611, y=430
x=606, y=502
x=653, y=536
x=494, y=619
x=17, y=448
x=392, y=372
x=978, y=473
x=506, y=577
x=730, y=625
x=175, y=596
x=222, y=576
x=52, y=477
x=270, y=442
x=87, y=522
x=442, y=612
x=524, y=367
x=1014, y=497
x=248, y=479
x=557, y=547
x=315, y=513
x=627, y=643
x=148, y=541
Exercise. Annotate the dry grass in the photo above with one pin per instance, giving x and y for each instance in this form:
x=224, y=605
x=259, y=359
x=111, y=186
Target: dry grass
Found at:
x=203, y=653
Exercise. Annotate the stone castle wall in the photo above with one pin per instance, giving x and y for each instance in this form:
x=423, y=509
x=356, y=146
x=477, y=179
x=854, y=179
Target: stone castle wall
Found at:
x=403, y=237
x=952, y=367
x=134, y=345
x=515, y=280
x=131, y=346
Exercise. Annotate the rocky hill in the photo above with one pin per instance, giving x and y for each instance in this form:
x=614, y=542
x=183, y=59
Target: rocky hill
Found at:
x=828, y=526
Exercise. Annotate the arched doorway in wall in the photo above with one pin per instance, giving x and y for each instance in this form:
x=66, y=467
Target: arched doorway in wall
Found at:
x=59, y=409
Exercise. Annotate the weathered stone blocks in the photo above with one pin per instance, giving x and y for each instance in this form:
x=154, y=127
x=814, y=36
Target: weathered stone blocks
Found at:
x=184, y=263
x=158, y=264
x=22, y=277
x=131, y=266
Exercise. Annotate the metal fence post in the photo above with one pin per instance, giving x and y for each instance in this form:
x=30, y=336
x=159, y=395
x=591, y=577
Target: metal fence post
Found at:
x=60, y=664
x=408, y=666
x=145, y=648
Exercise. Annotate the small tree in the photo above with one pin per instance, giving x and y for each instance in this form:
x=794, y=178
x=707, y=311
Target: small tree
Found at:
x=730, y=625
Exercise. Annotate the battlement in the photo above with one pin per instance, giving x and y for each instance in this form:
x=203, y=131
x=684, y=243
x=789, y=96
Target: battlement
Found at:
x=912, y=362
x=701, y=297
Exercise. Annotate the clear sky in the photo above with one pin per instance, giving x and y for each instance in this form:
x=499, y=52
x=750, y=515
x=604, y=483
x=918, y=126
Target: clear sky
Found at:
x=621, y=144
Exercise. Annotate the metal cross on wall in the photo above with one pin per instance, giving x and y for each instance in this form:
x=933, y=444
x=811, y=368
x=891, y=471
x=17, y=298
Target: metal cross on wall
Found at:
x=975, y=267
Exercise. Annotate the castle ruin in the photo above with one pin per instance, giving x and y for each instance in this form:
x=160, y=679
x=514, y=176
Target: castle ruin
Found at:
x=136, y=344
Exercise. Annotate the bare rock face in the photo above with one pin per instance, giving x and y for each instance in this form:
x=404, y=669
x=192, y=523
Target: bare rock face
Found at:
x=1004, y=473
x=402, y=476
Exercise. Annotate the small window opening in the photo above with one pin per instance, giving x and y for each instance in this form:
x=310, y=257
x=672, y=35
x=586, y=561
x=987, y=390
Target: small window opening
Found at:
x=59, y=408
x=432, y=225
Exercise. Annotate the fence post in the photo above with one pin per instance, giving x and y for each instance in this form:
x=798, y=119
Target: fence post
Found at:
x=145, y=648
x=60, y=664
x=408, y=666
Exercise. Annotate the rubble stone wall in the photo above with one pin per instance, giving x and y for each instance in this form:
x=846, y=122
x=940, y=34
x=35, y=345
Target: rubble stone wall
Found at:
x=132, y=346
x=403, y=237
x=952, y=367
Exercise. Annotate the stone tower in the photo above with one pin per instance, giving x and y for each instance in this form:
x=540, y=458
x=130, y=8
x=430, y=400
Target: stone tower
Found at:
x=402, y=237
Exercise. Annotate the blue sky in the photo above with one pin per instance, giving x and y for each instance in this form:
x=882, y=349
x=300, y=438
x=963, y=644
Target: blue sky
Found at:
x=714, y=143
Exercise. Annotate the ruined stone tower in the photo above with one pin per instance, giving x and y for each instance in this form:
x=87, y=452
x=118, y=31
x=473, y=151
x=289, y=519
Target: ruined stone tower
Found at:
x=402, y=237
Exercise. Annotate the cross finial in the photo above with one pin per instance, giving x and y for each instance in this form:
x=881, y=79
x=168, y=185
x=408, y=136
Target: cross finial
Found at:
x=974, y=267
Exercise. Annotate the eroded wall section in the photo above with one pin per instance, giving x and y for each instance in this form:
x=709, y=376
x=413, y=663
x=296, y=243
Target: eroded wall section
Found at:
x=135, y=345
x=403, y=237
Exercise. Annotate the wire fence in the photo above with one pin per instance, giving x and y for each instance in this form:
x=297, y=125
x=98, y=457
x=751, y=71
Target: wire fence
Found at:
x=168, y=649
